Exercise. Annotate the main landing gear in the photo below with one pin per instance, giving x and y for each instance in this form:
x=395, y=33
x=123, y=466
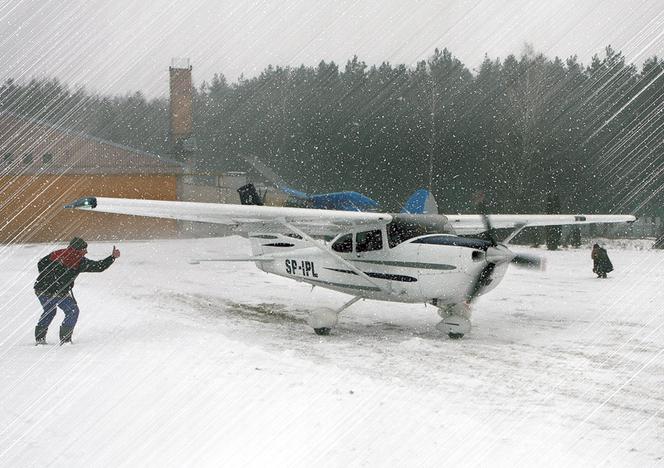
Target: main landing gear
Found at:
x=455, y=323
x=324, y=320
x=456, y=319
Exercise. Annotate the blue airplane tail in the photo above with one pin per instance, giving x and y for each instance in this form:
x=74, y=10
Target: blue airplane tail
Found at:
x=421, y=202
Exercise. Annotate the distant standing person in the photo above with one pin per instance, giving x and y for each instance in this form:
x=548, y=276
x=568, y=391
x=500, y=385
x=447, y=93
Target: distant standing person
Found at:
x=57, y=273
x=601, y=263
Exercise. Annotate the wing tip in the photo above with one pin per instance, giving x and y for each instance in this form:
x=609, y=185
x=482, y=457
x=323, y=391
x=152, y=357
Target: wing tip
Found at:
x=85, y=203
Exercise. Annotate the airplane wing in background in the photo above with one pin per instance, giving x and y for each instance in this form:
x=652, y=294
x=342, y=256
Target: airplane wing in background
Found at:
x=243, y=218
x=348, y=200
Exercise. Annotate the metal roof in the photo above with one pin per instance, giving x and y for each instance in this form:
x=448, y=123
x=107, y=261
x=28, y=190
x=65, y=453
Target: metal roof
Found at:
x=31, y=147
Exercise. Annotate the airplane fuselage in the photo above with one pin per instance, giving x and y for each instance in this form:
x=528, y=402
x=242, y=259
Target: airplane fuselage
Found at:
x=421, y=269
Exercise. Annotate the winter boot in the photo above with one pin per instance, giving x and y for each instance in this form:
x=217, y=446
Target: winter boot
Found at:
x=65, y=334
x=40, y=335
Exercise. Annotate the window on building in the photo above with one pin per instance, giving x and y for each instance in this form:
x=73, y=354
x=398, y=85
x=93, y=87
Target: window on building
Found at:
x=27, y=159
x=368, y=241
x=47, y=158
x=7, y=157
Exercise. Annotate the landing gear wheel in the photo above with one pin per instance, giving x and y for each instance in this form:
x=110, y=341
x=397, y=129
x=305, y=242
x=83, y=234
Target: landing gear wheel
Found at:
x=454, y=326
x=323, y=320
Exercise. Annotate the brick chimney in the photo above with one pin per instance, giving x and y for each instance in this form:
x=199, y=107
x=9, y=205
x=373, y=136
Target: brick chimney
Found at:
x=181, y=132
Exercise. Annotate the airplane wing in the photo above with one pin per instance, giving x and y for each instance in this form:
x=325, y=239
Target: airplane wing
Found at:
x=243, y=218
x=347, y=201
x=472, y=223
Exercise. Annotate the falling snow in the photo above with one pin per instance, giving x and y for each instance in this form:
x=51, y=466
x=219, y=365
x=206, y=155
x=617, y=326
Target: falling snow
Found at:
x=176, y=364
x=180, y=364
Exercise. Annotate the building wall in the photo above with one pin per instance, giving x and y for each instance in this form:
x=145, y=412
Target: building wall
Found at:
x=32, y=207
x=212, y=188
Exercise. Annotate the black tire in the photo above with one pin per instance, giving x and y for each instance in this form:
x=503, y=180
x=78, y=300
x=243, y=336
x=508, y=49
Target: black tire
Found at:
x=323, y=331
x=455, y=336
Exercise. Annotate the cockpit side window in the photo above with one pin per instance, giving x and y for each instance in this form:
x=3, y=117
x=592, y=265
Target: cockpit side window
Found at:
x=368, y=241
x=398, y=232
x=344, y=244
x=405, y=227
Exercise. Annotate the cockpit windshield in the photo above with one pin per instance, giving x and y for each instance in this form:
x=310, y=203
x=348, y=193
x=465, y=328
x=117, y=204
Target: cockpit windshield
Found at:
x=405, y=226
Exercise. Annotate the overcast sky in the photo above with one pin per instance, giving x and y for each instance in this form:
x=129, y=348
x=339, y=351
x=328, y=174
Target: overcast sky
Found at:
x=117, y=46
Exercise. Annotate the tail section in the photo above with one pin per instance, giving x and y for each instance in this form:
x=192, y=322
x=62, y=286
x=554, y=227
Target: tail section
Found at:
x=421, y=202
x=267, y=248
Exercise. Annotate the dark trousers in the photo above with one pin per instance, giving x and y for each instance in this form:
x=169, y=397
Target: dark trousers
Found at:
x=50, y=305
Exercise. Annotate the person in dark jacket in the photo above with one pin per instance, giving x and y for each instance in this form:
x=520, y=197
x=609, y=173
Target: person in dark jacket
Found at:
x=601, y=263
x=57, y=273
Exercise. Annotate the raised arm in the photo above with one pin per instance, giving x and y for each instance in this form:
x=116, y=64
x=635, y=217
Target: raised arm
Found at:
x=97, y=266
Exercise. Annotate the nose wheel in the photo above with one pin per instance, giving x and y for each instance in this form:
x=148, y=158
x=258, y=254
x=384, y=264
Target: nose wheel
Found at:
x=456, y=320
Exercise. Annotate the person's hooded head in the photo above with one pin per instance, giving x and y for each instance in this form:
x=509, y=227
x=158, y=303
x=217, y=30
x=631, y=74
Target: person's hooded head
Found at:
x=78, y=244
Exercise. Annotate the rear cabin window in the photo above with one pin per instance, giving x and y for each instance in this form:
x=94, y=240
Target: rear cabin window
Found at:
x=368, y=241
x=344, y=244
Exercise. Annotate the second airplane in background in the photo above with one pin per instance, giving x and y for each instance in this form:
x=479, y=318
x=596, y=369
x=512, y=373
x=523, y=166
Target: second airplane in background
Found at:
x=421, y=202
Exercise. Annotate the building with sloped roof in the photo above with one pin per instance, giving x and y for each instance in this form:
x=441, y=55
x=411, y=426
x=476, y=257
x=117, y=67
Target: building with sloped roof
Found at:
x=44, y=166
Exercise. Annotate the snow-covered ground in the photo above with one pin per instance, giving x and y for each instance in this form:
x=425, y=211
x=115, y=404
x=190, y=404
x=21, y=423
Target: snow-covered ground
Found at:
x=175, y=364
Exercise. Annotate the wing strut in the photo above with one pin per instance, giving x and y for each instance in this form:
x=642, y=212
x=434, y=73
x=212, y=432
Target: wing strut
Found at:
x=348, y=304
x=322, y=247
x=519, y=227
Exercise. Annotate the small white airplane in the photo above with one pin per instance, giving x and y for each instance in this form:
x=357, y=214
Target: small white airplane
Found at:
x=389, y=257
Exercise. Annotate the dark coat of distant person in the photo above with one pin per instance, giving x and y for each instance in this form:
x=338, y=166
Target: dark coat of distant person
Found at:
x=601, y=262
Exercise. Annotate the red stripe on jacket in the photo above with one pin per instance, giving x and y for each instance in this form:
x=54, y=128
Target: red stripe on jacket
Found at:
x=69, y=257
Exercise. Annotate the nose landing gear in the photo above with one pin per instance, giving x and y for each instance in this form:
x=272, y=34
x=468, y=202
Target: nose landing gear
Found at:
x=456, y=319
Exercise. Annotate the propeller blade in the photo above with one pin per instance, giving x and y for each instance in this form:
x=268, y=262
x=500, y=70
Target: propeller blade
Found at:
x=482, y=209
x=482, y=279
x=528, y=261
x=484, y=276
x=489, y=230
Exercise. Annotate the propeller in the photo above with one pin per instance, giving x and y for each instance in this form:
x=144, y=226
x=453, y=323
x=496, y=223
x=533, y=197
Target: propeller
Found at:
x=495, y=254
x=482, y=279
